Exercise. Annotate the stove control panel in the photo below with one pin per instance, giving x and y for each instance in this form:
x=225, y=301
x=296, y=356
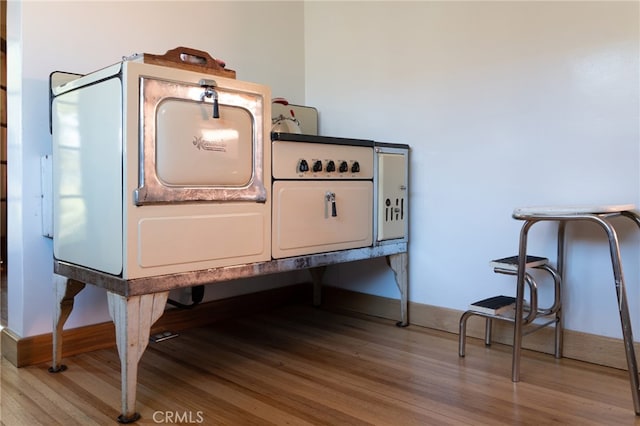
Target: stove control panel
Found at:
x=303, y=160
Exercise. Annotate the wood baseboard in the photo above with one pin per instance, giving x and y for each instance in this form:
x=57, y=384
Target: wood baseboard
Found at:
x=32, y=350
x=580, y=346
x=591, y=348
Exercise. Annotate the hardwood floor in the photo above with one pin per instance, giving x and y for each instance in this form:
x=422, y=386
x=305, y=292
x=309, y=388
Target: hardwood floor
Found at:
x=301, y=366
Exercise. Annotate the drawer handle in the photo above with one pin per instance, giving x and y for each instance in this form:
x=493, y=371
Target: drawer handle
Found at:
x=330, y=198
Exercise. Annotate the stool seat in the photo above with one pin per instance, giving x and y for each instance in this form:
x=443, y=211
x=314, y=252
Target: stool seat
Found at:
x=570, y=210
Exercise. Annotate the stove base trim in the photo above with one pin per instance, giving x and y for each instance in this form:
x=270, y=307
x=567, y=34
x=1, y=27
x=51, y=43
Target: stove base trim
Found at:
x=158, y=283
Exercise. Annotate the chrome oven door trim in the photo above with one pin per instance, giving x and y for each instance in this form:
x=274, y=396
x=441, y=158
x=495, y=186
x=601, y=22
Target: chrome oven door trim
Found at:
x=151, y=190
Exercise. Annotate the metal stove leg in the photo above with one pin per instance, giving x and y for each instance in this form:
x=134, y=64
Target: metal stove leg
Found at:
x=317, y=273
x=133, y=317
x=65, y=291
x=399, y=263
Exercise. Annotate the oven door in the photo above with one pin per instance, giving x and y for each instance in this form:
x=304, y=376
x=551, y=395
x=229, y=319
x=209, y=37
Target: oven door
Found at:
x=320, y=216
x=187, y=154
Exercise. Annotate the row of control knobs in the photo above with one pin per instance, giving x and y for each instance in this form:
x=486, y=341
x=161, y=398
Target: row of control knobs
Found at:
x=303, y=166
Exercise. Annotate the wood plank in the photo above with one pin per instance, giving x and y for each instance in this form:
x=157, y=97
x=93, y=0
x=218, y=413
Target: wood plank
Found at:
x=3, y=19
x=3, y=106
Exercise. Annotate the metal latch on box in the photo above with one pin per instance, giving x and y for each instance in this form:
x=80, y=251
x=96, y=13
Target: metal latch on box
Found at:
x=210, y=92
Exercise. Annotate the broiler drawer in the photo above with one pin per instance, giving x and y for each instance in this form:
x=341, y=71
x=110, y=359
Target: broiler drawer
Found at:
x=320, y=216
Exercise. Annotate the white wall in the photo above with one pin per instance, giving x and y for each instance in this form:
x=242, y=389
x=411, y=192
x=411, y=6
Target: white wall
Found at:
x=505, y=104
x=82, y=37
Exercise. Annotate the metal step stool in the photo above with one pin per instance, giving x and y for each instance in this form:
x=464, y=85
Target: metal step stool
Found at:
x=509, y=266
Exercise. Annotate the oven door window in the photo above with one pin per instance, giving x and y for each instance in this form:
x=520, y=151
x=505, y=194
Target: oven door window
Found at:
x=194, y=149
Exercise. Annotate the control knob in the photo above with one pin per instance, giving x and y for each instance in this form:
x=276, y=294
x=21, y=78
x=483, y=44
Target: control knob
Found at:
x=317, y=166
x=331, y=166
x=303, y=166
x=344, y=167
x=355, y=167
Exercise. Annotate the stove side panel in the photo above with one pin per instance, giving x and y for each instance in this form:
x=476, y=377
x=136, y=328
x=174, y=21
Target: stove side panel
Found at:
x=87, y=176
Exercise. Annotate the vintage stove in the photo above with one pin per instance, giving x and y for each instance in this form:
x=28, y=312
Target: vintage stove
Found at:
x=167, y=177
x=161, y=169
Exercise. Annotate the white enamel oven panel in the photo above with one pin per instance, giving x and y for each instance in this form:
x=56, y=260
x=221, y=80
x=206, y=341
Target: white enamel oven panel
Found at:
x=163, y=217
x=87, y=176
x=391, y=193
x=305, y=221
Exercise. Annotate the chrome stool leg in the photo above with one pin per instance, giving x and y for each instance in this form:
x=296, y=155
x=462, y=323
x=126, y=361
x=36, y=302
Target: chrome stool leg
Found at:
x=623, y=309
x=462, y=334
x=519, y=317
x=488, y=326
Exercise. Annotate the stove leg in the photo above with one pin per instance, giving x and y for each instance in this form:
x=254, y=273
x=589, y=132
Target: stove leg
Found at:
x=399, y=263
x=316, y=277
x=65, y=290
x=133, y=317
